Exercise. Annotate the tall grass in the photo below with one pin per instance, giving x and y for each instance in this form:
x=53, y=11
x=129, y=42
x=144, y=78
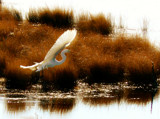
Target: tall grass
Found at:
x=98, y=24
x=139, y=68
x=8, y=22
x=109, y=71
x=65, y=19
x=17, y=15
x=94, y=57
x=100, y=58
x=33, y=16
x=27, y=47
x=137, y=55
x=16, y=77
x=2, y=63
x=61, y=77
x=6, y=14
x=56, y=18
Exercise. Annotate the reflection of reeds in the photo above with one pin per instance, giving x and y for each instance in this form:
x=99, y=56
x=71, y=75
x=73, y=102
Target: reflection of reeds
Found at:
x=60, y=105
x=96, y=101
x=15, y=106
x=139, y=96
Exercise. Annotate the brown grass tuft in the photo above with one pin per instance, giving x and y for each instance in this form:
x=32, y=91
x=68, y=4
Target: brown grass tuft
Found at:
x=6, y=29
x=33, y=16
x=105, y=69
x=62, y=77
x=16, y=78
x=2, y=63
x=17, y=15
x=139, y=68
x=103, y=59
x=56, y=18
x=97, y=24
x=10, y=15
x=7, y=23
x=5, y=14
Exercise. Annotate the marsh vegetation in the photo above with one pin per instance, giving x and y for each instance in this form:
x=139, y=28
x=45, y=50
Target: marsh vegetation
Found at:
x=104, y=71
x=98, y=54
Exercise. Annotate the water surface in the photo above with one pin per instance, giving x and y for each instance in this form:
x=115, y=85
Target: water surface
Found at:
x=105, y=101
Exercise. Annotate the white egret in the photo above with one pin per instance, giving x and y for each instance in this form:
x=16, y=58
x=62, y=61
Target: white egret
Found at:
x=50, y=59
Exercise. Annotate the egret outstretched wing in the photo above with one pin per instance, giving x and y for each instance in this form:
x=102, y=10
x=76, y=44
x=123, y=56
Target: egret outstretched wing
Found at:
x=64, y=40
x=49, y=61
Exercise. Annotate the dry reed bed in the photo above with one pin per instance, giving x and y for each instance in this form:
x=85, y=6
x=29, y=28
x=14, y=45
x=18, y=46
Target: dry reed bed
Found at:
x=24, y=44
x=65, y=19
x=56, y=18
x=95, y=57
x=95, y=23
x=104, y=59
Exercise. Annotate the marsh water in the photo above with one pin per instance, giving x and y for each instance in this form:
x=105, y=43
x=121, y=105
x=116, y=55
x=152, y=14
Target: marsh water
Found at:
x=105, y=101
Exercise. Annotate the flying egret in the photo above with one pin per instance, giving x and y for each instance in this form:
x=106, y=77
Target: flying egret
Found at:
x=50, y=59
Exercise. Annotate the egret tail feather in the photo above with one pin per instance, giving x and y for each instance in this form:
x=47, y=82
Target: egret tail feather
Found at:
x=32, y=67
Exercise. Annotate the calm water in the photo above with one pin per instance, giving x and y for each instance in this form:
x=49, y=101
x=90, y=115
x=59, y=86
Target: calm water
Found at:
x=96, y=101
